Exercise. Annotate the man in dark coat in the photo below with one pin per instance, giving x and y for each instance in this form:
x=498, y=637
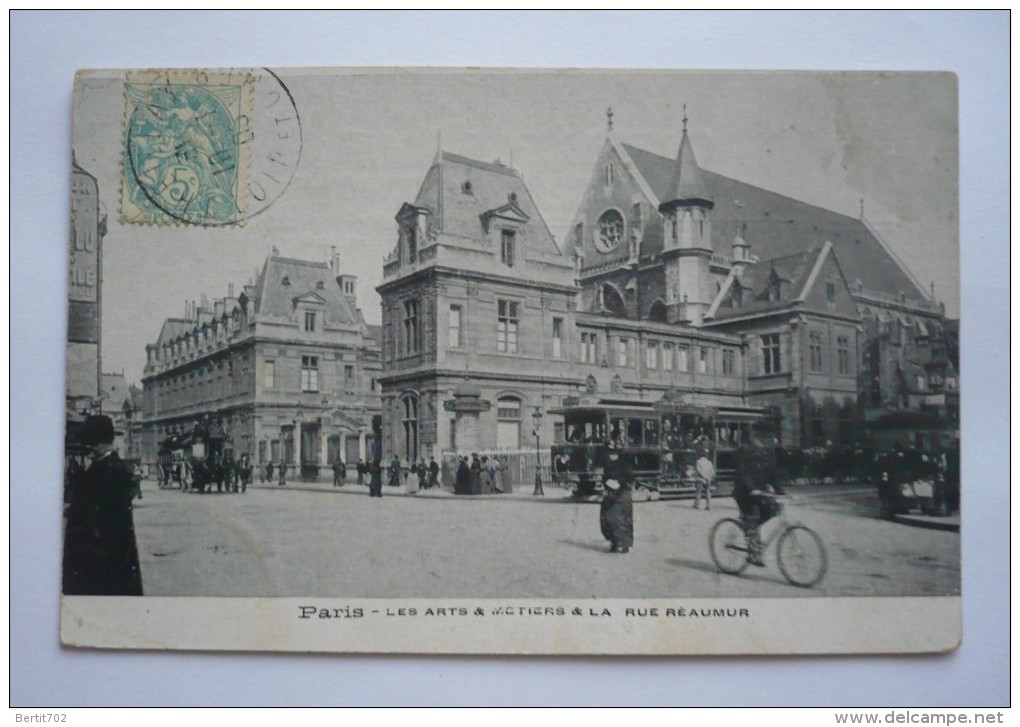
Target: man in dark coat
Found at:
x=616, y=514
x=362, y=467
x=100, y=551
x=375, y=479
x=339, y=472
x=752, y=476
x=433, y=473
x=462, y=484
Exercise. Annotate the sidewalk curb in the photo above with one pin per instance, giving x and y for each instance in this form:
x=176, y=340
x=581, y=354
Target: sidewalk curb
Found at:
x=948, y=524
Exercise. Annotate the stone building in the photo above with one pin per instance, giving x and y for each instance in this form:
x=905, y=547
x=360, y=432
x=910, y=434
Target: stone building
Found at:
x=84, y=324
x=672, y=278
x=663, y=240
x=482, y=326
x=288, y=367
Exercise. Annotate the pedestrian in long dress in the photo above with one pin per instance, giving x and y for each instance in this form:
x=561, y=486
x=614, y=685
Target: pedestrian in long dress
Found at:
x=375, y=479
x=488, y=485
x=394, y=472
x=504, y=476
x=616, y=513
x=476, y=474
x=462, y=483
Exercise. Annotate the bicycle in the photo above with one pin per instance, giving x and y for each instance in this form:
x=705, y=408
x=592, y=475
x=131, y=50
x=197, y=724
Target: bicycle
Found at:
x=800, y=553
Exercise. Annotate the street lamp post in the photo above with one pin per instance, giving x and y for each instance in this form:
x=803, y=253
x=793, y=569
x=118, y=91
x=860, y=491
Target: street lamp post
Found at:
x=324, y=438
x=537, y=416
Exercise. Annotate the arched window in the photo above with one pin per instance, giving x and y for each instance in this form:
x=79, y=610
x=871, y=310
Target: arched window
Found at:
x=410, y=405
x=508, y=422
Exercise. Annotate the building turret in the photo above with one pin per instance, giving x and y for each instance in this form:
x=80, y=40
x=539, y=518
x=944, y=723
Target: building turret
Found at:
x=687, y=236
x=741, y=249
x=687, y=203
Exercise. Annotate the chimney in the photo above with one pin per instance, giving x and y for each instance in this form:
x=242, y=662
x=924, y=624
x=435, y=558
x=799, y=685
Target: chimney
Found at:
x=230, y=290
x=333, y=261
x=349, y=289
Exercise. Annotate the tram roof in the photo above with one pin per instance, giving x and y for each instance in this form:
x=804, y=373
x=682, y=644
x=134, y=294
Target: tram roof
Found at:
x=643, y=406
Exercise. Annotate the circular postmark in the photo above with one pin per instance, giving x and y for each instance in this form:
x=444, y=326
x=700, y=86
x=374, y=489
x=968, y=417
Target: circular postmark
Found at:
x=276, y=142
x=208, y=148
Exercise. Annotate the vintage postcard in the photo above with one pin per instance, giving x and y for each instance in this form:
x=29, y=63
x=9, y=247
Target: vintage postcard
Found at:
x=502, y=361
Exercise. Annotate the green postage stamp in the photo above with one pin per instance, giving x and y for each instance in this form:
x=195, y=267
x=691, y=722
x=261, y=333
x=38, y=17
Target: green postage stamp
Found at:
x=185, y=147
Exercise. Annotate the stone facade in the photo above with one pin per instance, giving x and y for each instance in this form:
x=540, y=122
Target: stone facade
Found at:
x=672, y=277
x=289, y=367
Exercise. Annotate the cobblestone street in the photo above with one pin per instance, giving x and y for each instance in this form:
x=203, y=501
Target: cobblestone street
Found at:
x=309, y=539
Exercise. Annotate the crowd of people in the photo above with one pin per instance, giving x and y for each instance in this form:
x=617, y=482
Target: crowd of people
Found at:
x=482, y=476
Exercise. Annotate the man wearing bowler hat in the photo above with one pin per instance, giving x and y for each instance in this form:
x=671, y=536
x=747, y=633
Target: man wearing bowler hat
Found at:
x=100, y=551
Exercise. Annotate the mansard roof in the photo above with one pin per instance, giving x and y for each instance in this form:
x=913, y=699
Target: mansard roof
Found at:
x=282, y=280
x=778, y=226
x=463, y=193
x=172, y=328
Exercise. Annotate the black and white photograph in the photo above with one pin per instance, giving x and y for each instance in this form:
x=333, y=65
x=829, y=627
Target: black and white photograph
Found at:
x=232, y=171
x=439, y=346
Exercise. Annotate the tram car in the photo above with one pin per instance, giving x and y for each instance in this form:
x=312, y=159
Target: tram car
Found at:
x=671, y=446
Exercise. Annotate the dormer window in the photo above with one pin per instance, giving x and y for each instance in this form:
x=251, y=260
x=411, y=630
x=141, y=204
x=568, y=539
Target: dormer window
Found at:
x=508, y=247
x=310, y=321
x=286, y=280
x=513, y=198
x=466, y=188
x=319, y=285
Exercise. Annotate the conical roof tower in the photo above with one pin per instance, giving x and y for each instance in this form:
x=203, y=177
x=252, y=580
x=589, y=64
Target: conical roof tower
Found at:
x=687, y=185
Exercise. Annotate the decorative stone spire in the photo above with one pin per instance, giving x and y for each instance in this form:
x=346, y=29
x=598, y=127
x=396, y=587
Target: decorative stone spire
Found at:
x=609, y=119
x=686, y=186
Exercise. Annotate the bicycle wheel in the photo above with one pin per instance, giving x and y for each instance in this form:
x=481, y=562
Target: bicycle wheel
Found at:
x=801, y=556
x=728, y=545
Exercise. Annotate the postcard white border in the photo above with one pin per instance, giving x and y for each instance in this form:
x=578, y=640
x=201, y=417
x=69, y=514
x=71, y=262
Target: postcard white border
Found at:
x=46, y=49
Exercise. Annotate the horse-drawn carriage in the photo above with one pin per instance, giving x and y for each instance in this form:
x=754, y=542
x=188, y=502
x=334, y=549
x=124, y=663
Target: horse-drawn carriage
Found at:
x=196, y=461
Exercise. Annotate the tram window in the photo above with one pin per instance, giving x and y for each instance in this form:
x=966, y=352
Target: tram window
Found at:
x=634, y=432
x=585, y=427
x=651, y=433
x=616, y=430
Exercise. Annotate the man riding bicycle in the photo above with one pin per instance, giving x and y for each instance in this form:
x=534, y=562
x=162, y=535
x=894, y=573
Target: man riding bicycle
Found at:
x=753, y=495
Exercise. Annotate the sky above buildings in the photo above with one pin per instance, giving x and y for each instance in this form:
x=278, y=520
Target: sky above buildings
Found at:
x=887, y=141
